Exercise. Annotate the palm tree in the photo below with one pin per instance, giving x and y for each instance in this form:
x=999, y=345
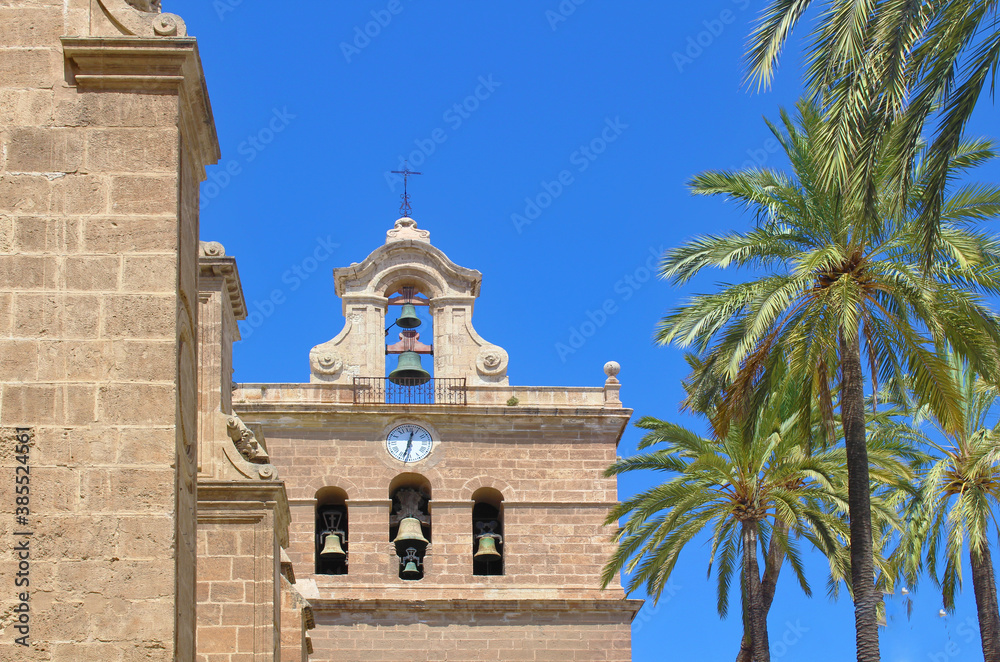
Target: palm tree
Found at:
x=960, y=499
x=758, y=486
x=831, y=286
x=886, y=71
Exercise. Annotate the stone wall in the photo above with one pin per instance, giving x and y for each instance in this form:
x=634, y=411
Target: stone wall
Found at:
x=98, y=243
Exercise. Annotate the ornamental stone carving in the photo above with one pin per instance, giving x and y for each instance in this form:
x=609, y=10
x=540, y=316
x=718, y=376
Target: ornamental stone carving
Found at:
x=143, y=18
x=246, y=442
x=492, y=360
x=326, y=362
x=211, y=249
x=406, y=228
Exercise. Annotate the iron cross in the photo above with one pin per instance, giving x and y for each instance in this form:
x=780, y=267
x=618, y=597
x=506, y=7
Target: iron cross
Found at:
x=404, y=209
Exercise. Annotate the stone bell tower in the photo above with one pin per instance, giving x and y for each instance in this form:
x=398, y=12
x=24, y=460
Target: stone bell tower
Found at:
x=437, y=512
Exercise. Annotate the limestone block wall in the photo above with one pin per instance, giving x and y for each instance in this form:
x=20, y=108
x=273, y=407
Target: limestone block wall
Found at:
x=98, y=238
x=472, y=634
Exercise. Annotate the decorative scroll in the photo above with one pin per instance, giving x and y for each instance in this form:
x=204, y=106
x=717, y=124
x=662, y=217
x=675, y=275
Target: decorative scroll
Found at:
x=143, y=18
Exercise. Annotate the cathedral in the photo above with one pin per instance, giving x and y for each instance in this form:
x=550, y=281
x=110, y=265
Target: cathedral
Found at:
x=407, y=502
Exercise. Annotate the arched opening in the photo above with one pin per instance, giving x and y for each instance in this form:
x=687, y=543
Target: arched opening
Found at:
x=410, y=523
x=331, y=539
x=487, y=532
x=409, y=335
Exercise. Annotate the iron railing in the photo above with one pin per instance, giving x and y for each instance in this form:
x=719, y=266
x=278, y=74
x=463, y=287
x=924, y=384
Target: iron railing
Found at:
x=381, y=391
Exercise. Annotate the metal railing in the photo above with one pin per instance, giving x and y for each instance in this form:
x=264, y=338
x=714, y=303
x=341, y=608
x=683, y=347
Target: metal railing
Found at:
x=381, y=391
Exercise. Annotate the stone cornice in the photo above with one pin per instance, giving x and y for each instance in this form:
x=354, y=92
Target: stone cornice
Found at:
x=229, y=498
x=626, y=605
x=213, y=262
x=143, y=64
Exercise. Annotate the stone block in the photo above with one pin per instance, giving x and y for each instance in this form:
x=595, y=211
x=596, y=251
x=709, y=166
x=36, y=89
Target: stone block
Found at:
x=31, y=67
x=126, y=150
x=142, y=360
x=124, y=235
x=28, y=405
x=140, y=316
x=46, y=235
x=24, y=272
x=55, y=316
x=24, y=194
x=93, y=274
x=26, y=107
x=30, y=26
x=142, y=194
x=80, y=194
x=152, y=273
x=113, y=109
x=18, y=360
x=136, y=404
x=44, y=150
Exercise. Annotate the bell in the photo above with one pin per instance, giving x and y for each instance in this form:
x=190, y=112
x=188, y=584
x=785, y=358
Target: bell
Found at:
x=408, y=371
x=408, y=318
x=332, y=548
x=487, y=549
x=411, y=534
x=410, y=571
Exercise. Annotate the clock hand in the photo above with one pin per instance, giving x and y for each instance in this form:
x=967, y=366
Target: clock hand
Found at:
x=409, y=446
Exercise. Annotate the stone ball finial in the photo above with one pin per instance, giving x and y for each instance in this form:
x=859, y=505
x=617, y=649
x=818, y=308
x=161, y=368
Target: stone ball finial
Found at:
x=611, y=369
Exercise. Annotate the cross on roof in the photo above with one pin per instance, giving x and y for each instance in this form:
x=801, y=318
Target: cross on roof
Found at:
x=405, y=209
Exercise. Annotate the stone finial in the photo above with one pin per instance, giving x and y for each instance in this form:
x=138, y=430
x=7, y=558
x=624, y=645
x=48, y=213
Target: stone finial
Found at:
x=406, y=228
x=612, y=387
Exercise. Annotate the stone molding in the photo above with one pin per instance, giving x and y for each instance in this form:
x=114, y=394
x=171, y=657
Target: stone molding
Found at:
x=627, y=605
x=141, y=64
x=467, y=281
x=213, y=262
x=232, y=500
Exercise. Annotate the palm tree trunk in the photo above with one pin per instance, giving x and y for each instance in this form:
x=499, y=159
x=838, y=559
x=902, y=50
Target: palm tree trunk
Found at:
x=772, y=566
x=754, y=595
x=852, y=413
x=986, y=602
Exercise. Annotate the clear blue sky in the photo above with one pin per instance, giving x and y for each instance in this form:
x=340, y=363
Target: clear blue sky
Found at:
x=311, y=116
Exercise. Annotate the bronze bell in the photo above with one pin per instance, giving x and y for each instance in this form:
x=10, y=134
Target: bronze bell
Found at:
x=331, y=547
x=411, y=571
x=408, y=318
x=487, y=549
x=410, y=533
x=408, y=371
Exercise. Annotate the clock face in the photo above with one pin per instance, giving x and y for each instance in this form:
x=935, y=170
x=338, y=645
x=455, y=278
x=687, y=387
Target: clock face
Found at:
x=409, y=443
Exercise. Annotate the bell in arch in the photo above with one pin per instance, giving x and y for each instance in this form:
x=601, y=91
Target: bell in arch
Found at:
x=410, y=533
x=332, y=548
x=487, y=550
x=409, y=371
x=408, y=317
x=410, y=568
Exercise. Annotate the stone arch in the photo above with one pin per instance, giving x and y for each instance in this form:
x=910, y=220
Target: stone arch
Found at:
x=477, y=482
x=421, y=277
x=317, y=484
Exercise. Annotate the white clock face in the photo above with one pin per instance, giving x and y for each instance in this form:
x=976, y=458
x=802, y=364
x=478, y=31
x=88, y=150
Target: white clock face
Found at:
x=409, y=443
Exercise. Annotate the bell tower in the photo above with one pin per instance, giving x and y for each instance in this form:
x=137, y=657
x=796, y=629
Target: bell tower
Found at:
x=437, y=511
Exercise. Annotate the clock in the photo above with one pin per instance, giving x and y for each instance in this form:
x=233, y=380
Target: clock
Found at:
x=409, y=442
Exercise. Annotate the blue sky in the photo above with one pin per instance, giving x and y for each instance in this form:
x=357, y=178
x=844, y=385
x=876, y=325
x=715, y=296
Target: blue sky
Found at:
x=555, y=141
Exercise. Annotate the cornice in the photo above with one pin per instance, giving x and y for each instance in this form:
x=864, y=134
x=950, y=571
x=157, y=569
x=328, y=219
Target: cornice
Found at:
x=143, y=64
